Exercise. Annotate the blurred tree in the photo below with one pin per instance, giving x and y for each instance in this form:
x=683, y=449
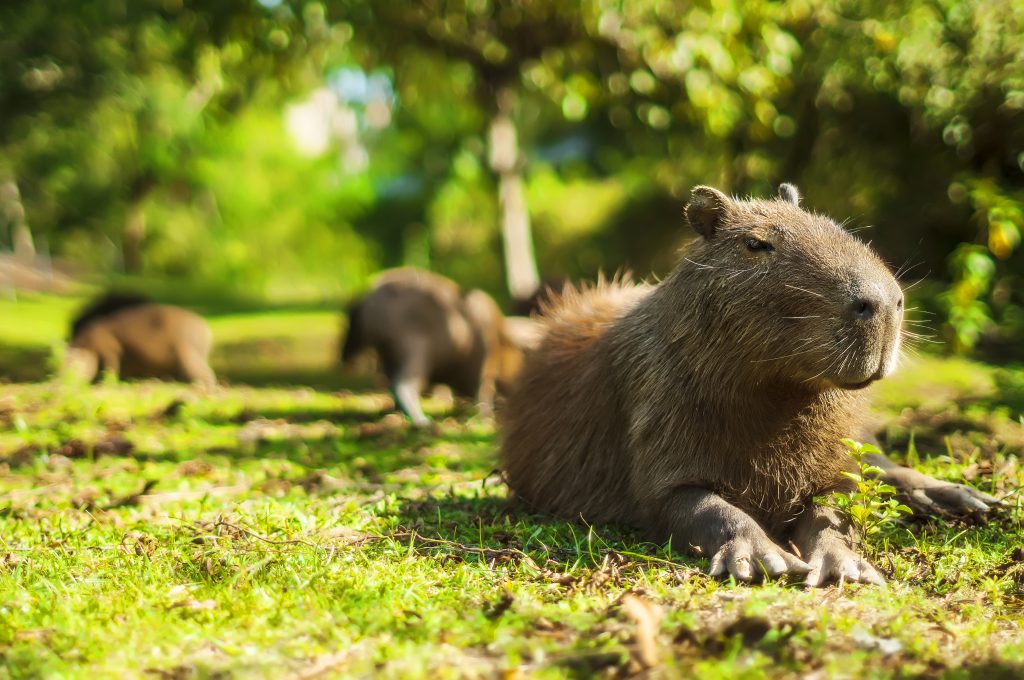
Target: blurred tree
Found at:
x=109, y=102
x=158, y=127
x=496, y=41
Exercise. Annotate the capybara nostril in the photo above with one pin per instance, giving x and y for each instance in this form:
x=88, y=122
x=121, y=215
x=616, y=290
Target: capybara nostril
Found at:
x=864, y=309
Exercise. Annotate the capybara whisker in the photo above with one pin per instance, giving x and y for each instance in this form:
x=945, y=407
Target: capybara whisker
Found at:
x=702, y=266
x=809, y=292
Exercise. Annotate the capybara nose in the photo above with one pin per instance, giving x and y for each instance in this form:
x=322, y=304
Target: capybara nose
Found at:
x=864, y=308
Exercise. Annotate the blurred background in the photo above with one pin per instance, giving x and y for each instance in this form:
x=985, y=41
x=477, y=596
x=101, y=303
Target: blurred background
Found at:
x=260, y=160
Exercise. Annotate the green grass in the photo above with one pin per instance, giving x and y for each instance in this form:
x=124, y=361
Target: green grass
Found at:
x=150, y=530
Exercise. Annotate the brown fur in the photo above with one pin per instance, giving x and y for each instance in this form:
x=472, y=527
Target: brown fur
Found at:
x=730, y=376
x=132, y=338
x=426, y=331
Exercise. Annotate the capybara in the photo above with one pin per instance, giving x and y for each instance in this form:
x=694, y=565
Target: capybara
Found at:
x=130, y=336
x=426, y=330
x=710, y=408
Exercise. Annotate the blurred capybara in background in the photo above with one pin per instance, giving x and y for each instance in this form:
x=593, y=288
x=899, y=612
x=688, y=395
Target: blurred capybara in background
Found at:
x=130, y=336
x=426, y=330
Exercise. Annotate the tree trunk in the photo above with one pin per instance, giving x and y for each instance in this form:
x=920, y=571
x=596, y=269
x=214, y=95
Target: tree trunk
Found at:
x=520, y=263
x=131, y=239
x=13, y=212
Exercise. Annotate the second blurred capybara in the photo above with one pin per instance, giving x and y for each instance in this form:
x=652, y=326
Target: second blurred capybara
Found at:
x=130, y=336
x=427, y=330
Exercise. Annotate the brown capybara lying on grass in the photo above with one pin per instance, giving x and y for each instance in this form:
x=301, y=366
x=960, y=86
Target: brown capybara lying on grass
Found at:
x=129, y=336
x=426, y=330
x=711, y=407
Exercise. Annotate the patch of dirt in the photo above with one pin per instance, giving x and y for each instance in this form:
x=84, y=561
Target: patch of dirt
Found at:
x=113, y=445
x=194, y=468
x=261, y=430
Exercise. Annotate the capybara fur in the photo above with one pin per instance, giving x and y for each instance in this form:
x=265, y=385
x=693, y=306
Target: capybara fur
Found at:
x=549, y=289
x=426, y=330
x=710, y=408
x=130, y=336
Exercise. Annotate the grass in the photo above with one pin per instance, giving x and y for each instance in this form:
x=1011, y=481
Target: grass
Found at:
x=151, y=530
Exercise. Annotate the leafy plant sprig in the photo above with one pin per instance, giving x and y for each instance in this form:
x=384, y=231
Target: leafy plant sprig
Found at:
x=872, y=504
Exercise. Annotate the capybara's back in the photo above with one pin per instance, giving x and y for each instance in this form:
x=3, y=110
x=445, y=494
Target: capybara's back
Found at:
x=419, y=317
x=564, y=431
x=106, y=305
x=426, y=330
x=134, y=338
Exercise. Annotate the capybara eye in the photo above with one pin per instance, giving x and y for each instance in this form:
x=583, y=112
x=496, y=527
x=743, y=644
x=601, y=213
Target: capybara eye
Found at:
x=755, y=245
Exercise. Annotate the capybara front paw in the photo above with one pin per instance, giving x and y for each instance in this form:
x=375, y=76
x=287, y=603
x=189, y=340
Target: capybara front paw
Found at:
x=927, y=495
x=955, y=499
x=745, y=558
x=836, y=562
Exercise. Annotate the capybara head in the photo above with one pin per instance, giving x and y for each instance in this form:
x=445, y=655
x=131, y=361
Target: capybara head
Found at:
x=792, y=291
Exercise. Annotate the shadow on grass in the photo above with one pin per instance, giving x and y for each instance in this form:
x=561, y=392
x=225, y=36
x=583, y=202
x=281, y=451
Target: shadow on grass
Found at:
x=24, y=363
x=302, y=415
x=492, y=529
x=352, y=444
x=992, y=670
x=990, y=423
x=1009, y=391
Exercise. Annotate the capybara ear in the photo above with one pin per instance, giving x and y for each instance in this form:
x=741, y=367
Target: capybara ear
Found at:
x=789, y=193
x=706, y=209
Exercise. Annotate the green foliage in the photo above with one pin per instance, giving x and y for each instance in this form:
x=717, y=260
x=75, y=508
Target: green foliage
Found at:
x=967, y=313
x=977, y=274
x=151, y=136
x=871, y=505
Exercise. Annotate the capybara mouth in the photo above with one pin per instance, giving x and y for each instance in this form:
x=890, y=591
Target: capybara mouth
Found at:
x=859, y=385
x=877, y=375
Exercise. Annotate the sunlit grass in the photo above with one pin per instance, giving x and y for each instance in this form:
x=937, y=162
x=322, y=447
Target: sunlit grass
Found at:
x=152, y=530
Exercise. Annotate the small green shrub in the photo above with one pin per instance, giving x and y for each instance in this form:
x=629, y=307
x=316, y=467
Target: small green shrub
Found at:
x=872, y=505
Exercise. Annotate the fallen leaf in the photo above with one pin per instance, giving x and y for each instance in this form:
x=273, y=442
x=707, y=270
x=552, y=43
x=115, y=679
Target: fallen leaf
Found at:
x=194, y=605
x=647, y=616
x=73, y=448
x=194, y=468
x=138, y=543
x=887, y=646
x=113, y=445
x=495, y=609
